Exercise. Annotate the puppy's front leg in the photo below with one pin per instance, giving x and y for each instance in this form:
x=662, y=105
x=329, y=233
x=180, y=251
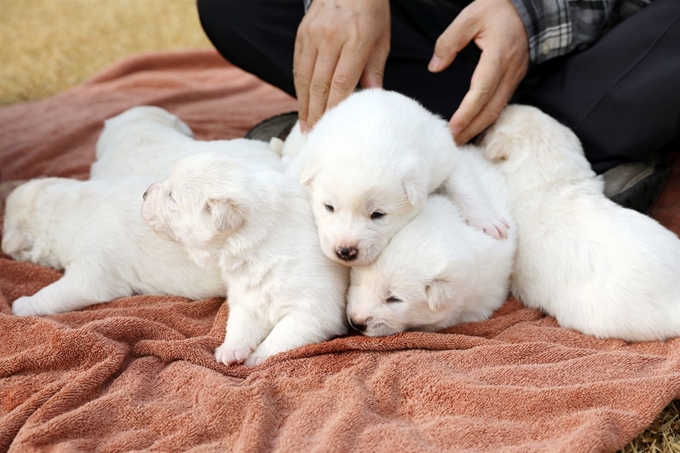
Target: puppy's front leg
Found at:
x=291, y=332
x=245, y=330
x=465, y=189
x=75, y=290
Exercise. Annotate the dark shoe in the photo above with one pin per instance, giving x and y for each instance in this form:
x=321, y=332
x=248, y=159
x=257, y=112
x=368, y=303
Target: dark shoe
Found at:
x=276, y=126
x=636, y=185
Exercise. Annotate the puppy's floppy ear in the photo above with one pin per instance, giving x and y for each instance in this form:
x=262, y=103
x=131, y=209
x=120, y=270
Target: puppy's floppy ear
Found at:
x=416, y=191
x=226, y=216
x=310, y=170
x=439, y=292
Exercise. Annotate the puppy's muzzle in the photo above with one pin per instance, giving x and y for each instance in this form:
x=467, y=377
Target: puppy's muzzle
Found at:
x=357, y=326
x=347, y=253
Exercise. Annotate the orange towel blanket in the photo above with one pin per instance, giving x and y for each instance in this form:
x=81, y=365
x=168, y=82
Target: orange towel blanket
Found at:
x=138, y=373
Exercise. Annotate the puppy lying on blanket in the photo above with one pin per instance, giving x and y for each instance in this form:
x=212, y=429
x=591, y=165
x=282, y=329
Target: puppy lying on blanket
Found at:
x=436, y=271
x=148, y=141
x=95, y=232
x=371, y=162
x=595, y=266
x=257, y=226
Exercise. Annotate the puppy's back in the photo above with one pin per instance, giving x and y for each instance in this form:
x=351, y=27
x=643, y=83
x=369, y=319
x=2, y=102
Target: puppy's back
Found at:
x=601, y=269
x=597, y=267
x=99, y=222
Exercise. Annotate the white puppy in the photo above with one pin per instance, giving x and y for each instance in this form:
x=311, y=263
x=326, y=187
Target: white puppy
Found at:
x=148, y=141
x=257, y=226
x=94, y=231
x=595, y=266
x=371, y=162
x=437, y=271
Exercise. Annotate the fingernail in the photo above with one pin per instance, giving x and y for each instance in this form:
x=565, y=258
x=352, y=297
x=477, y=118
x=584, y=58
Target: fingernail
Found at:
x=303, y=126
x=435, y=64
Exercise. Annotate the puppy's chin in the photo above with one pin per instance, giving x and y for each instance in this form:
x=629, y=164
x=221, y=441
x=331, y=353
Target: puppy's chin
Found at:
x=381, y=330
x=155, y=227
x=355, y=263
x=148, y=215
x=153, y=221
x=167, y=235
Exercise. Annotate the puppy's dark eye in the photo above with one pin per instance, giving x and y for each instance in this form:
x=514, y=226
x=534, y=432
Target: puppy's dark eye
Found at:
x=393, y=300
x=377, y=215
x=329, y=208
x=170, y=196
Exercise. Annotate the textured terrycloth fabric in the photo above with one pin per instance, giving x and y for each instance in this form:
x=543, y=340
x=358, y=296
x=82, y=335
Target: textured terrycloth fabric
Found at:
x=138, y=373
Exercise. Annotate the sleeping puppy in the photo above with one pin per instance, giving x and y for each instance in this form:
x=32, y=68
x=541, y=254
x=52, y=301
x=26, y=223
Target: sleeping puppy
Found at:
x=148, y=141
x=437, y=271
x=596, y=267
x=257, y=226
x=94, y=231
x=371, y=162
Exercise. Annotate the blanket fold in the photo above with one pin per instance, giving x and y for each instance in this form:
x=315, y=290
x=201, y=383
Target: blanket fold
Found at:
x=138, y=373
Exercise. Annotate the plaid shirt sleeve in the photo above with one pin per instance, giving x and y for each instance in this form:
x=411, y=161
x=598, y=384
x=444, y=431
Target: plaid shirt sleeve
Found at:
x=556, y=27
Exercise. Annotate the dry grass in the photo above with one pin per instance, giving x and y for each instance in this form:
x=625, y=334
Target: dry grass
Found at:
x=47, y=46
x=663, y=436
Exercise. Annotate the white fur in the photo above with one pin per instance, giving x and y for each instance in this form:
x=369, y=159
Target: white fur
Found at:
x=94, y=230
x=438, y=271
x=148, y=141
x=593, y=265
x=290, y=148
x=379, y=152
x=257, y=226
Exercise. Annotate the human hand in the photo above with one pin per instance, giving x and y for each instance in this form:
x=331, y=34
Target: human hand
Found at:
x=497, y=29
x=339, y=43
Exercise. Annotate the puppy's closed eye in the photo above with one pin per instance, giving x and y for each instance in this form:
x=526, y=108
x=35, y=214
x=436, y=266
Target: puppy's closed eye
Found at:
x=393, y=300
x=377, y=215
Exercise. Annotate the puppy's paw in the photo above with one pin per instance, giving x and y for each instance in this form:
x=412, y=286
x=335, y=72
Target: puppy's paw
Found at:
x=491, y=224
x=25, y=306
x=256, y=358
x=232, y=355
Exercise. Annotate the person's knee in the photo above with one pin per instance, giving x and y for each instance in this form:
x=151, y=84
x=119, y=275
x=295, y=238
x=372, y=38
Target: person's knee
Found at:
x=218, y=17
x=256, y=35
x=225, y=23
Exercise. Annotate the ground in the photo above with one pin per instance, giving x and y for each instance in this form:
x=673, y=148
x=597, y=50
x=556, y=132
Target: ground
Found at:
x=47, y=46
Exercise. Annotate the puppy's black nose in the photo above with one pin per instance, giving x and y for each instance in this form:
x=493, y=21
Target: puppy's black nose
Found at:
x=144, y=195
x=356, y=326
x=347, y=253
